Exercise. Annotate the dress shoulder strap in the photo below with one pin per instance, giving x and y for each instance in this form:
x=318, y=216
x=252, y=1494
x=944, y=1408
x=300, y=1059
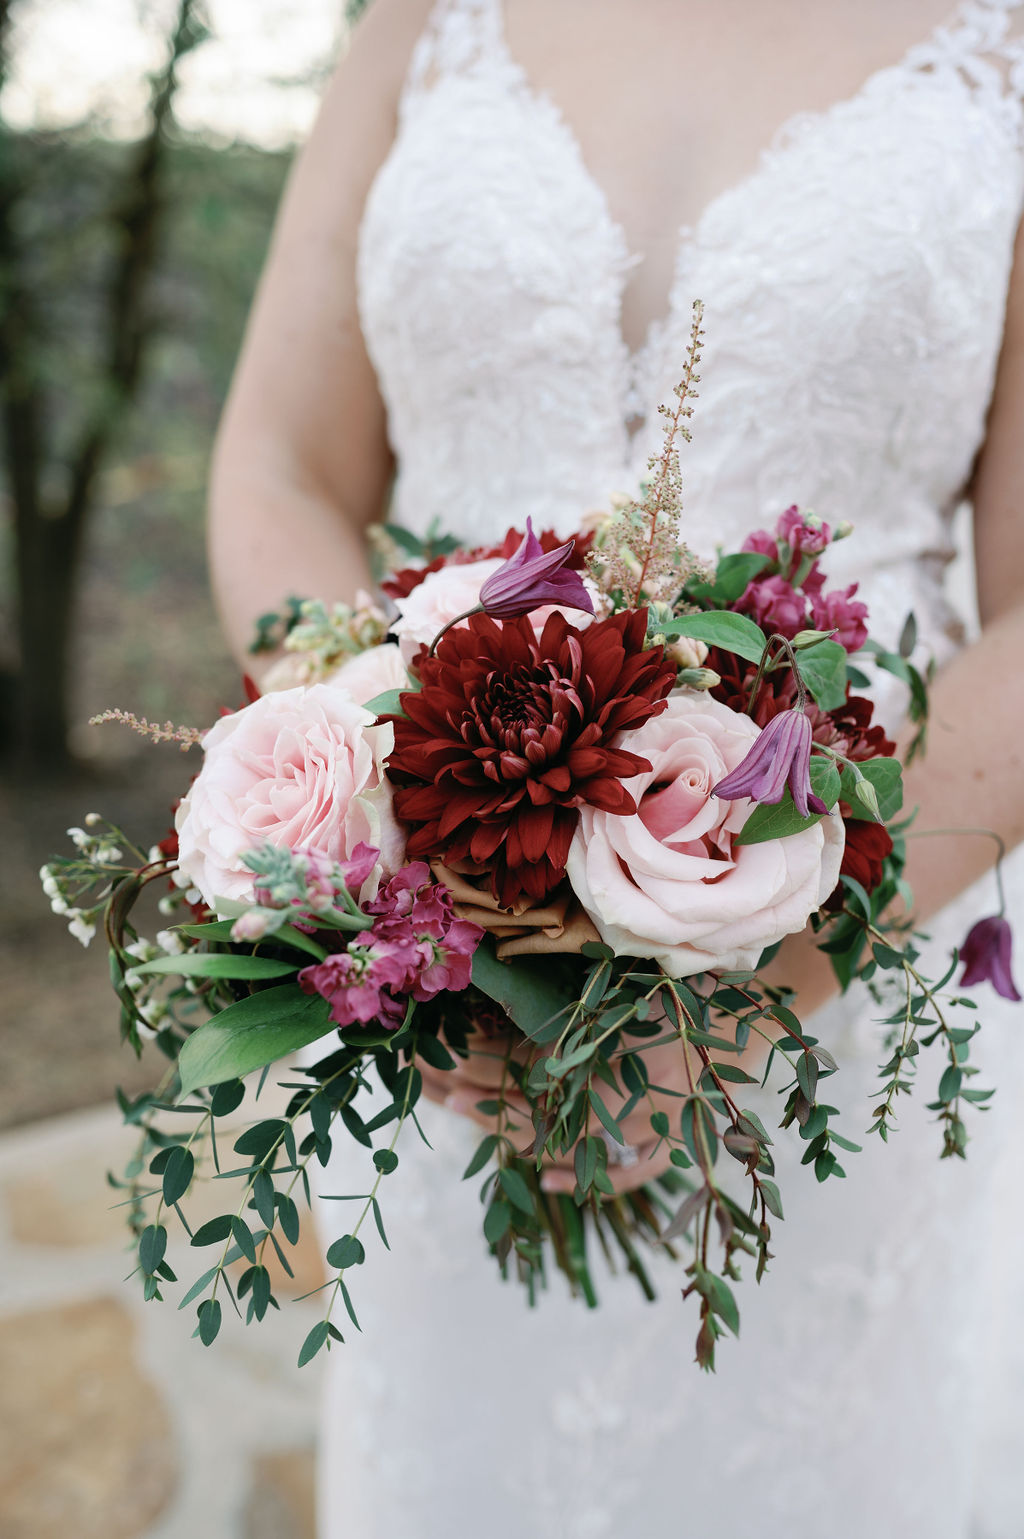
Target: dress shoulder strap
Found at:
x=461, y=37
x=984, y=41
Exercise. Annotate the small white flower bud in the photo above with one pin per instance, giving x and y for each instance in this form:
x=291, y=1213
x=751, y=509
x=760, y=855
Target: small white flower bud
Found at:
x=91, y=819
x=50, y=887
x=58, y=905
x=193, y=895
x=167, y=904
x=132, y=980
x=170, y=942
x=81, y=931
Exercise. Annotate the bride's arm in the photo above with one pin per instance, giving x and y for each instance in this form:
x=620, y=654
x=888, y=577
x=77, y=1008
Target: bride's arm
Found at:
x=973, y=772
x=301, y=463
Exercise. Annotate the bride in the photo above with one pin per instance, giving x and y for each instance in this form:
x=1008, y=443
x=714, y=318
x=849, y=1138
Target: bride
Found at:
x=478, y=292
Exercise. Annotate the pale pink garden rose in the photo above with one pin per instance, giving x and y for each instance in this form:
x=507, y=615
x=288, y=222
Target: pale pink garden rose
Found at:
x=372, y=673
x=453, y=590
x=668, y=883
x=302, y=768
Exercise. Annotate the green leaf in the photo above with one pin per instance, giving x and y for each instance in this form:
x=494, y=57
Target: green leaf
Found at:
x=779, y=820
x=227, y=1097
x=825, y=779
x=807, y=1074
x=263, y=1196
x=288, y=1215
x=386, y=1160
x=213, y=1231
x=772, y=1197
x=250, y=1034
x=720, y=628
x=516, y=1189
x=731, y=577
x=152, y=1244
x=209, y=1321
x=346, y=1252
x=219, y=964
x=885, y=776
x=776, y=821
x=823, y=670
x=313, y=1342
x=950, y=1083
x=198, y=1286
x=608, y=1122
x=485, y=1149
x=720, y=1297
x=497, y=1221
x=389, y=703
x=177, y=1175
x=529, y=989
x=242, y=1236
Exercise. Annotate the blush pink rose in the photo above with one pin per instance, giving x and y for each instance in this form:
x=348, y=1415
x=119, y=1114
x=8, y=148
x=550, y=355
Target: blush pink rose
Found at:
x=668, y=882
x=302, y=768
x=453, y=590
x=371, y=673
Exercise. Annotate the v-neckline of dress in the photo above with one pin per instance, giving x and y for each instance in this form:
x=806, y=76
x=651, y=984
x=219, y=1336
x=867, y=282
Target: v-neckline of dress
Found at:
x=690, y=236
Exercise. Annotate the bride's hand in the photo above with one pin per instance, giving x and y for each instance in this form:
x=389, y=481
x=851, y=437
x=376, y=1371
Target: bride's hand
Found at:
x=483, y=1076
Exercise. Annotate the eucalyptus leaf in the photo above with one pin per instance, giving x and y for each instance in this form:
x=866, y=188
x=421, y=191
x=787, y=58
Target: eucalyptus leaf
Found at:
x=250, y=1034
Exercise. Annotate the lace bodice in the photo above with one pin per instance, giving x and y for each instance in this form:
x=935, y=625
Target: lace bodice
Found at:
x=854, y=289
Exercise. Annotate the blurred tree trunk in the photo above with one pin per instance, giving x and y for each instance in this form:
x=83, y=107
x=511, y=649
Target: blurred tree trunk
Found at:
x=50, y=525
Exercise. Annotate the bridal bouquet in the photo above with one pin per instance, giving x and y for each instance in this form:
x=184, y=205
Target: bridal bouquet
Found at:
x=558, y=805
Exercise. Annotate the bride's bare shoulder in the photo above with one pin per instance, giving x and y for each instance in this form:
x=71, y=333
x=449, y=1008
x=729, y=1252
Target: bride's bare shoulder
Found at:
x=368, y=82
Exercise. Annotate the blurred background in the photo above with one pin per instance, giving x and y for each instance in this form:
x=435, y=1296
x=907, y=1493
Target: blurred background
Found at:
x=143, y=148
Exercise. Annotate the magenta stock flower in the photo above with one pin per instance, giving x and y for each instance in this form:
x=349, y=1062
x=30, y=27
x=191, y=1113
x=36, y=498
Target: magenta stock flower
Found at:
x=839, y=611
x=418, y=946
x=532, y=578
x=781, y=756
x=986, y=955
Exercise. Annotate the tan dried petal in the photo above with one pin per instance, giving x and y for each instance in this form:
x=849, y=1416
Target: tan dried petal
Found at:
x=526, y=929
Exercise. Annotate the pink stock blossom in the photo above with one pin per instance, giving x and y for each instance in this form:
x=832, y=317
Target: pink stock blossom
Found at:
x=775, y=604
x=840, y=611
x=418, y=946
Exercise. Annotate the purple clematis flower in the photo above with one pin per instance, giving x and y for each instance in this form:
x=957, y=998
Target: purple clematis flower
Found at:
x=780, y=756
x=532, y=578
x=986, y=955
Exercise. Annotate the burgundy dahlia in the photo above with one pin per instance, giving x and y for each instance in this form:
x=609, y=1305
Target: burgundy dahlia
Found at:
x=511, y=734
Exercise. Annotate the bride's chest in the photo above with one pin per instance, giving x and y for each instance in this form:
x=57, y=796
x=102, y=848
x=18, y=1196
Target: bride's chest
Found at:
x=485, y=215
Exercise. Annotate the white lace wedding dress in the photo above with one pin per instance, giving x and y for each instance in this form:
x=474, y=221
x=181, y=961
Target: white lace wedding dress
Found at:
x=854, y=287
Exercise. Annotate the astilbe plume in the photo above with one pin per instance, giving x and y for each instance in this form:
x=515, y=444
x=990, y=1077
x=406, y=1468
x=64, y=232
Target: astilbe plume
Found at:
x=642, y=555
x=512, y=733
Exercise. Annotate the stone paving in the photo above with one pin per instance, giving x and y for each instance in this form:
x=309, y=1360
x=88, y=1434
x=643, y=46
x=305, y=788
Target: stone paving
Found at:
x=114, y=1423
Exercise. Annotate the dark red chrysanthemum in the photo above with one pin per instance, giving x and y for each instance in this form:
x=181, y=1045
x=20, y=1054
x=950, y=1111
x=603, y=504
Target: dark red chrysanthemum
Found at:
x=400, y=584
x=867, y=845
x=512, y=734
